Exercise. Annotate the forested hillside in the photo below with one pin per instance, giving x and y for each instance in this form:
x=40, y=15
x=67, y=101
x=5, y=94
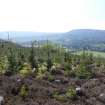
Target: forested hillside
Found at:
x=85, y=39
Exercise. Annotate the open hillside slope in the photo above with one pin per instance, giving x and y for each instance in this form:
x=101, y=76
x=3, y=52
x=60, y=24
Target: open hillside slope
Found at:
x=51, y=75
x=84, y=38
x=40, y=92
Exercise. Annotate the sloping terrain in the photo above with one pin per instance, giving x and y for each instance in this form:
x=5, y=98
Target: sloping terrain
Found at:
x=76, y=39
x=40, y=92
x=5, y=46
x=84, y=38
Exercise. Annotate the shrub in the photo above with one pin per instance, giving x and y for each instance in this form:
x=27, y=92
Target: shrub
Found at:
x=49, y=64
x=83, y=73
x=12, y=62
x=41, y=71
x=32, y=58
x=25, y=70
x=67, y=69
x=50, y=77
x=59, y=97
x=3, y=64
x=24, y=91
x=71, y=93
x=70, y=73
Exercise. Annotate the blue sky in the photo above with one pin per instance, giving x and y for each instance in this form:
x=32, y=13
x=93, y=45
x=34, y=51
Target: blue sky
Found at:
x=51, y=15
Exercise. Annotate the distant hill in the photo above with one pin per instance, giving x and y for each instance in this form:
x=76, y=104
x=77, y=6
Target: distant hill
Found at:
x=26, y=36
x=84, y=38
x=75, y=39
x=6, y=45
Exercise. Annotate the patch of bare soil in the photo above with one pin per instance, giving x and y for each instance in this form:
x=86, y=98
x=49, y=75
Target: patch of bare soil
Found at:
x=40, y=91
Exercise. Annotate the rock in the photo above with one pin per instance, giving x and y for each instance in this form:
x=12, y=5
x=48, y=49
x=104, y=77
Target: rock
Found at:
x=57, y=80
x=33, y=70
x=53, y=68
x=78, y=91
x=1, y=100
x=18, y=80
x=102, y=97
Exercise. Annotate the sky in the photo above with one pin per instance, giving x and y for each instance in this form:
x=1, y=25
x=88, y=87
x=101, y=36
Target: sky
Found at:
x=51, y=15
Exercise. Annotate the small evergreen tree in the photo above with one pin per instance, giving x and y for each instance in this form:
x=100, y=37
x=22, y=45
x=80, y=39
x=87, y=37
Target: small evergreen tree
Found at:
x=33, y=61
x=3, y=64
x=83, y=72
x=49, y=64
x=25, y=70
x=49, y=61
x=12, y=62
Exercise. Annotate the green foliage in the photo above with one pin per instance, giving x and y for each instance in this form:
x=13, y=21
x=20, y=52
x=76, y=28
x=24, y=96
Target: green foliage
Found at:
x=12, y=62
x=91, y=58
x=70, y=73
x=49, y=45
x=24, y=91
x=25, y=70
x=41, y=71
x=83, y=72
x=67, y=68
x=59, y=97
x=32, y=59
x=88, y=59
x=3, y=64
x=50, y=77
x=49, y=64
x=71, y=93
x=46, y=57
x=67, y=56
